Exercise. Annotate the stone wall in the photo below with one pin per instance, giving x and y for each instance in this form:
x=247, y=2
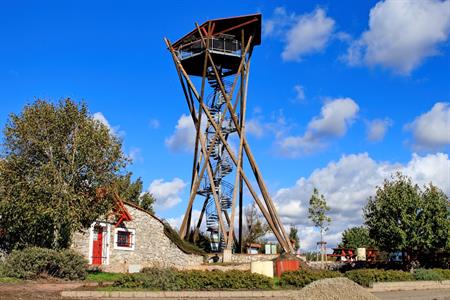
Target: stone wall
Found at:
x=244, y=258
x=152, y=246
x=248, y=258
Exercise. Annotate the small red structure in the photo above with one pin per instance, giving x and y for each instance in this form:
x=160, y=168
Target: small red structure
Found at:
x=286, y=264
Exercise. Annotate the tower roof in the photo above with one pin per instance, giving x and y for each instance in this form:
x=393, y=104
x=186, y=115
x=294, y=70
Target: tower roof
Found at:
x=232, y=26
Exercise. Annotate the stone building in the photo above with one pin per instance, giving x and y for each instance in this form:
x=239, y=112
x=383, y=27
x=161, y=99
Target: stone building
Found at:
x=130, y=239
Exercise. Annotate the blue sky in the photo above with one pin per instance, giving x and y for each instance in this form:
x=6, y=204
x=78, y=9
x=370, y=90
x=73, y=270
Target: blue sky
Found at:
x=341, y=94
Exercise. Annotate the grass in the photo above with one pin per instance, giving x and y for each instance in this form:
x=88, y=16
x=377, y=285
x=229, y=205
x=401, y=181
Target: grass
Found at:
x=103, y=276
x=9, y=280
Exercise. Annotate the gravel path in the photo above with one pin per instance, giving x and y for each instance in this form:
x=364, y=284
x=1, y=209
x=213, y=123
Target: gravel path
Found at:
x=438, y=294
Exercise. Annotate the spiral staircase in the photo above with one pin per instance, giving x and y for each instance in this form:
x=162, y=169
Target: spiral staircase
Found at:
x=221, y=163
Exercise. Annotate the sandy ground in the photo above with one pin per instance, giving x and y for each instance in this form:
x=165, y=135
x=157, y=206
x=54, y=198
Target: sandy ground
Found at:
x=35, y=290
x=335, y=289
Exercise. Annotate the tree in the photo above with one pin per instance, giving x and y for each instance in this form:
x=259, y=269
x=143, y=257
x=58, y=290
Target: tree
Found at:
x=317, y=214
x=54, y=159
x=256, y=227
x=356, y=237
x=132, y=191
x=402, y=217
x=293, y=236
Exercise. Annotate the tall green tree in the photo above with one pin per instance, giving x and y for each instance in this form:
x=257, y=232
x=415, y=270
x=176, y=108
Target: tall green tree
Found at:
x=356, y=237
x=54, y=157
x=318, y=209
x=403, y=217
x=293, y=236
x=132, y=191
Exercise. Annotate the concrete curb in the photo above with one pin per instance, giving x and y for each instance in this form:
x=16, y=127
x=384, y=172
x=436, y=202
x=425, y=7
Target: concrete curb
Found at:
x=288, y=294
x=409, y=286
x=283, y=294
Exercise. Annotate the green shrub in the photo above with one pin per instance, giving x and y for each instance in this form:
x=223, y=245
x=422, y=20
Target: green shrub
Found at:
x=31, y=263
x=432, y=274
x=444, y=272
x=174, y=280
x=428, y=274
x=302, y=278
x=365, y=277
x=2, y=269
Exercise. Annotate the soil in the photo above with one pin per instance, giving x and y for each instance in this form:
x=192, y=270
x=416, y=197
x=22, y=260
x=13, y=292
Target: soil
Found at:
x=36, y=290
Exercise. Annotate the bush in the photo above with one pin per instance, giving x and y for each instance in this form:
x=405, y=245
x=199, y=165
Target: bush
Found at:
x=34, y=262
x=302, y=278
x=432, y=274
x=365, y=277
x=174, y=280
x=2, y=269
x=428, y=274
x=444, y=272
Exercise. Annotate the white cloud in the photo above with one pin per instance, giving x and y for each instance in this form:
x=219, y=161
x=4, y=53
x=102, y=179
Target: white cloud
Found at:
x=334, y=120
x=377, y=128
x=335, y=117
x=176, y=221
x=310, y=34
x=259, y=126
x=346, y=184
x=280, y=22
x=98, y=116
x=166, y=193
x=114, y=130
x=299, y=92
x=183, y=139
x=303, y=34
x=135, y=154
x=254, y=127
x=431, y=130
x=402, y=34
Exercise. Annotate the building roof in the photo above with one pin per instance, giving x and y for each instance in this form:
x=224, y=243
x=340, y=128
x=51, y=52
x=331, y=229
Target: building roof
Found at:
x=232, y=26
x=254, y=245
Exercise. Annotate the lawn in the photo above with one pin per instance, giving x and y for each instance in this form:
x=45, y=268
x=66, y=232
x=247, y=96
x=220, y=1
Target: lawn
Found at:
x=103, y=276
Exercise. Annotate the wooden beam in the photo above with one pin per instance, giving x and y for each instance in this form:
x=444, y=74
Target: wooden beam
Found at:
x=252, y=161
x=271, y=214
x=244, y=79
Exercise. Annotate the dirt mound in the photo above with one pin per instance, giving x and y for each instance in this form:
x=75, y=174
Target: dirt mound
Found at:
x=335, y=289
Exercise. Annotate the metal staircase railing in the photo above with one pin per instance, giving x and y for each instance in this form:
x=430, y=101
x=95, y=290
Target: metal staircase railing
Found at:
x=220, y=161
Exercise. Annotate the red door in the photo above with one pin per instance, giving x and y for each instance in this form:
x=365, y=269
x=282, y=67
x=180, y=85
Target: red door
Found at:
x=97, y=246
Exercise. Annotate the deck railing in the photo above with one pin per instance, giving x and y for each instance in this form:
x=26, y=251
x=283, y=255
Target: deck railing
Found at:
x=223, y=45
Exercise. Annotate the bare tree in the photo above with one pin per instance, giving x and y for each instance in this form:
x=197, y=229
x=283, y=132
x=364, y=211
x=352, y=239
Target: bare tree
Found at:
x=256, y=226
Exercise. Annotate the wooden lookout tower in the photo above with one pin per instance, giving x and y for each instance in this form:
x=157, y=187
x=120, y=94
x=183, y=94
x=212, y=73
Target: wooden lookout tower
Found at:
x=216, y=56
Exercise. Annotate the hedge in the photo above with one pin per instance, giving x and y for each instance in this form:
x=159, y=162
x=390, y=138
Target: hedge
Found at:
x=365, y=277
x=432, y=274
x=301, y=278
x=34, y=262
x=175, y=280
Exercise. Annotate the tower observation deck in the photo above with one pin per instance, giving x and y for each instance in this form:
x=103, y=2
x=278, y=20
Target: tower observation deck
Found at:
x=219, y=52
